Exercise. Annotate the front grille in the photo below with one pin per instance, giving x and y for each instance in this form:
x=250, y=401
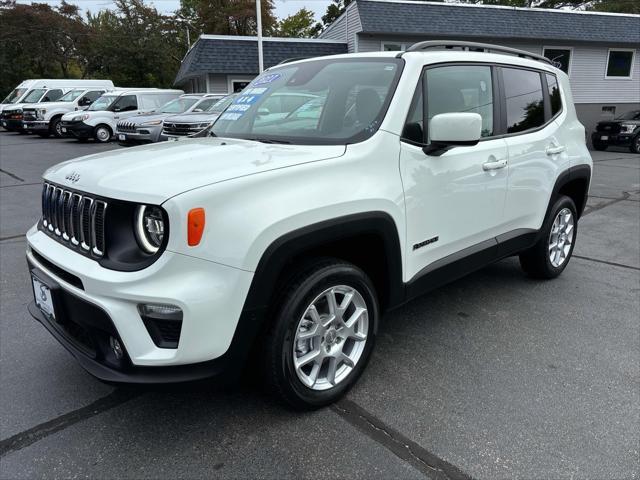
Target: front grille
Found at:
x=12, y=114
x=608, y=127
x=74, y=218
x=126, y=127
x=29, y=115
x=181, y=129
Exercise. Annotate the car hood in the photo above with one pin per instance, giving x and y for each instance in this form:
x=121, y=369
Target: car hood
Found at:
x=49, y=105
x=154, y=173
x=13, y=106
x=145, y=117
x=199, y=117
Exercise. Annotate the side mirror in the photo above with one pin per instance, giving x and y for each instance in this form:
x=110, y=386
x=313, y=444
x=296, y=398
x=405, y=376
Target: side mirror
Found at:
x=448, y=130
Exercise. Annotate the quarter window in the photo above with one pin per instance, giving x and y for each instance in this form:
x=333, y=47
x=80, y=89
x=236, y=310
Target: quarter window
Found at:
x=561, y=57
x=463, y=88
x=554, y=94
x=619, y=63
x=524, y=99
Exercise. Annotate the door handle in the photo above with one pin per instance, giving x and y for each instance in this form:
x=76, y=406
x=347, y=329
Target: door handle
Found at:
x=494, y=165
x=554, y=150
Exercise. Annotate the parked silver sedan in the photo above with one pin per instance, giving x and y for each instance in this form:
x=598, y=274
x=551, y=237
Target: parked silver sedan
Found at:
x=147, y=128
x=190, y=124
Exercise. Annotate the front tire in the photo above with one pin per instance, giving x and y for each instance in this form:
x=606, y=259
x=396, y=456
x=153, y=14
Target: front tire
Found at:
x=102, y=134
x=322, y=334
x=55, y=128
x=635, y=144
x=551, y=254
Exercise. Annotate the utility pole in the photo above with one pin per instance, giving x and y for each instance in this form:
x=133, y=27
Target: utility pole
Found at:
x=188, y=38
x=259, y=19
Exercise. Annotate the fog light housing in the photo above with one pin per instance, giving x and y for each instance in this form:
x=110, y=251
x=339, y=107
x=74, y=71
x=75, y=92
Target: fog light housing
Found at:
x=116, y=348
x=163, y=322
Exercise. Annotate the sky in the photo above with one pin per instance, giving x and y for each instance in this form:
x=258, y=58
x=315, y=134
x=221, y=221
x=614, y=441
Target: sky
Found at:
x=283, y=7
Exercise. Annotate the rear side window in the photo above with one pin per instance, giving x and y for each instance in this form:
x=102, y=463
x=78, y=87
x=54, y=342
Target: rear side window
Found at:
x=554, y=94
x=524, y=99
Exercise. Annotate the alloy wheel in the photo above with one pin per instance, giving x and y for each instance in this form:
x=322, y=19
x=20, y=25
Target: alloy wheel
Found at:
x=561, y=237
x=330, y=337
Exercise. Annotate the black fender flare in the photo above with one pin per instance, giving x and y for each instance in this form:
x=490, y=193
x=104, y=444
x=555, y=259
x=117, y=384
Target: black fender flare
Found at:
x=577, y=172
x=275, y=258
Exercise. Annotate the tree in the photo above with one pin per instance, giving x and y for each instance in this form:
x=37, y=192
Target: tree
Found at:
x=227, y=17
x=299, y=25
x=334, y=10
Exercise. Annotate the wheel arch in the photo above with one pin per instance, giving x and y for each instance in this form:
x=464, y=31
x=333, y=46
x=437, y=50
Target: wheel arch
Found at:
x=574, y=183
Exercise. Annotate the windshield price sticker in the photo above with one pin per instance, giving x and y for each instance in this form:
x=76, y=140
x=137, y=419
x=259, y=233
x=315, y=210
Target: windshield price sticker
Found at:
x=239, y=107
x=266, y=79
x=230, y=116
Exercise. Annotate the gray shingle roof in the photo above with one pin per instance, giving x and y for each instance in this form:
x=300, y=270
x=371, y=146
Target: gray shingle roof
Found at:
x=241, y=56
x=417, y=18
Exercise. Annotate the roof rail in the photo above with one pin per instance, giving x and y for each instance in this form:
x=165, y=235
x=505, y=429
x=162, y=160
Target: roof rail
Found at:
x=289, y=60
x=485, y=47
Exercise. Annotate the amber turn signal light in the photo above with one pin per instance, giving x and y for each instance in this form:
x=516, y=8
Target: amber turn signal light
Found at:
x=195, y=226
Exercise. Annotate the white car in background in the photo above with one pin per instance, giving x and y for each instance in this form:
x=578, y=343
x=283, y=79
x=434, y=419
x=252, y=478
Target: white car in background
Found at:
x=100, y=120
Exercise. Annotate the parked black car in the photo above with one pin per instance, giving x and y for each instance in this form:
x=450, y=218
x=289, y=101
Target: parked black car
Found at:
x=623, y=131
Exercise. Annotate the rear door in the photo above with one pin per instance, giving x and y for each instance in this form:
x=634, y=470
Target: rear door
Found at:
x=453, y=201
x=534, y=140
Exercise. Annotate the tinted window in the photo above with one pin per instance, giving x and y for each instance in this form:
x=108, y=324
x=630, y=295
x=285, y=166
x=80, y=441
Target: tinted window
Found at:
x=524, y=99
x=91, y=97
x=465, y=88
x=554, y=94
x=413, y=130
x=561, y=57
x=619, y=63
x=125, y=103
x=52, y=95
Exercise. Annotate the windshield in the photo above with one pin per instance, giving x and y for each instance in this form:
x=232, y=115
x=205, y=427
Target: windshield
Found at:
x=330, y=101
x=70, y=96
x=179, y=105
x=221, y=105
x=14, y=95
x=102, y=103
x=633, y=115
x=34, y=95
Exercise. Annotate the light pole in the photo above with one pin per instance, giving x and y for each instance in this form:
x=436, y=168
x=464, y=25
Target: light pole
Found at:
x=259, y=18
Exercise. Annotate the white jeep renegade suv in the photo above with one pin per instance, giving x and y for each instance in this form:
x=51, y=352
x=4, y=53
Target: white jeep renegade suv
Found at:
x=278, y=240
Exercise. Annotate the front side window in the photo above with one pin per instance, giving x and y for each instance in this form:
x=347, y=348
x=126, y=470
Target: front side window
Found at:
x=524, y=99
x=463, y=88
x=554, y=94
x=102, y=103
x=52, y=95
x=348, y=99
x=619, y=63
x=90, y=97
x=125, y=103
x=34, y=95
x=561, y=57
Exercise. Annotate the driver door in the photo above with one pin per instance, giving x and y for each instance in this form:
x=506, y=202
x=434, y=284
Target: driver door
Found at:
x=454, y=201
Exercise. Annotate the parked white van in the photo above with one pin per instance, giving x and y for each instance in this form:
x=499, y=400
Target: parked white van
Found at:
x=40, y=91
x=99, y=121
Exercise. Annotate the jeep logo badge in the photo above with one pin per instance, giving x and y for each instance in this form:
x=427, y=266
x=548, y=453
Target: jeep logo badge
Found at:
x=73, y=177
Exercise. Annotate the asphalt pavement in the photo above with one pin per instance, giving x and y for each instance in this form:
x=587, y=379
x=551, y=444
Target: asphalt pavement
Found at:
x=493, y=376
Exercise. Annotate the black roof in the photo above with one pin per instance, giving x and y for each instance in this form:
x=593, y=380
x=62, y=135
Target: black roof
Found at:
x=420, y=18
x=240, y=56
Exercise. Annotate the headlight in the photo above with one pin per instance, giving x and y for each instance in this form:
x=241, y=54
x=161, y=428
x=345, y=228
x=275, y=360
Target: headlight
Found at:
x=80, y=118
x=149, y=228
x=149, y=124
x=627, y=128
x=205, y=125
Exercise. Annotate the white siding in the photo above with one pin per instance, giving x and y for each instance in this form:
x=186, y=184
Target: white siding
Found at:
x=588, y=65
x=337, y=30
x=218, y=83
x=345, y=28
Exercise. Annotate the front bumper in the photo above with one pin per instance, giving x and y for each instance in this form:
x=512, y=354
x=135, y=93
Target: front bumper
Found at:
x=137, y=137
x=76, y=129
x=12, y=124
x=615, y=139
x=210, y=295
x=36, y=125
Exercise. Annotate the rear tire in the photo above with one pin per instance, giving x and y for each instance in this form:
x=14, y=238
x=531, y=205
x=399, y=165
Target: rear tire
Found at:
x=635, y=144
x=551, y=254
x=316, y=347
x=102, y=134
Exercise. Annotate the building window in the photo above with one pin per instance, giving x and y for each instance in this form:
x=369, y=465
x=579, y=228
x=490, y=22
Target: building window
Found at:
x=561, y=57
x=393, y=47
x=620, y=63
